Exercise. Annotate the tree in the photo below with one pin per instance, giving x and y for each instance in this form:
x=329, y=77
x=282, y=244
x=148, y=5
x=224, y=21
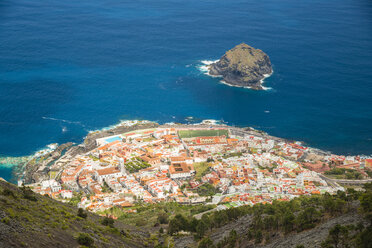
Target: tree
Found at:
x=220, y=218
x=338, y=237
x=288, y=222
x=366, y=202
x=258, y=237
x=364, y=239
x=193, y=224
x=206, y=243
x=233, y=237
x=178, y=223
x=338, y=234
x=306, y=218
x=269, y=222
x=201, y=229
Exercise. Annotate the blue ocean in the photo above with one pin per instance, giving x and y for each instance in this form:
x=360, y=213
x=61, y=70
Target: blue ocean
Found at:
x=68, y=67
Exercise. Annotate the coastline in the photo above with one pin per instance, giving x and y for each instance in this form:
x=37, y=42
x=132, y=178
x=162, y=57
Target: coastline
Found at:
x=41, y=160
x=226, y=145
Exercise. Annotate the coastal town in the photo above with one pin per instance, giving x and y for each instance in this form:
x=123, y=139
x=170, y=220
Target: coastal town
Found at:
x=208, y=164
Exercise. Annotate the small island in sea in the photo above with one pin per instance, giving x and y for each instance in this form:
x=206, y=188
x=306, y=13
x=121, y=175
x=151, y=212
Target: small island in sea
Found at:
x=242, y=66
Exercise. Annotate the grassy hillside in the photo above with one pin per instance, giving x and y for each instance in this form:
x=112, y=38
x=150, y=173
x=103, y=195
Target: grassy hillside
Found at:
x=31, y=220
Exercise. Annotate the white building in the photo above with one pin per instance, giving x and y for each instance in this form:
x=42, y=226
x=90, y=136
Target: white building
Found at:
x=107, y=173
x=53, y=184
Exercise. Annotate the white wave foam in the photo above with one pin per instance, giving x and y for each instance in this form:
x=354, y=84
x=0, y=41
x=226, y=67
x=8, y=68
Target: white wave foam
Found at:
x=262, y=81
x=65, y=121
x=210, y=122
x=266, y=88
x=248, y=87
x=204, y=67
x=209, y=62
x=238, y=86
x=49, y=148
x=126, y=123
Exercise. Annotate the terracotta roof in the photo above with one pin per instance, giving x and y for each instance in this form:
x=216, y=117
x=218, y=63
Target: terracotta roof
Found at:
x=107, y=171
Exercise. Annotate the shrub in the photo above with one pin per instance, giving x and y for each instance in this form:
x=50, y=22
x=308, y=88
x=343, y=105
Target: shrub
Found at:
x=8, y=192
x=163, y=218
x=28, y=194
x=85, y=239
x=108, y=222
x=81, y=213
x=114, y=230
x=140, y=222
x=124, y=233
x=5, y=220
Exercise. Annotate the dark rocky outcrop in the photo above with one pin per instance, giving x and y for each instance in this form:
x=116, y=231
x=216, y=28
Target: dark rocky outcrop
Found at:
x=37, y=169
x=243, y=66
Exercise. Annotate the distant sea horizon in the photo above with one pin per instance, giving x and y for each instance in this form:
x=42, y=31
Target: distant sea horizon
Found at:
x=70, y=67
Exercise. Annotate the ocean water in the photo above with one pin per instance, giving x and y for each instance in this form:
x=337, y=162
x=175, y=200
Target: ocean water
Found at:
x=67, y=67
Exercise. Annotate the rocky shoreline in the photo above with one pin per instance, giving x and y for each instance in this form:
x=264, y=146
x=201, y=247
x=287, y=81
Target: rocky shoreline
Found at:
x=243, y=66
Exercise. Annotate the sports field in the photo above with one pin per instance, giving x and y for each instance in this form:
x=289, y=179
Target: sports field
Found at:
x=202, y=133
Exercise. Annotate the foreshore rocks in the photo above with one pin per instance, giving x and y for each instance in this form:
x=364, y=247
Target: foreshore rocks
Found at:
x=38, y=168
x=243, y=66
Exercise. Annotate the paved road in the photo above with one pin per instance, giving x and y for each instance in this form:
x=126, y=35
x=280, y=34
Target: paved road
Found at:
x=346, y=181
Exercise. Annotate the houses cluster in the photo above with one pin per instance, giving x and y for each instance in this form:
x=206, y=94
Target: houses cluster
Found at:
x=155, y=165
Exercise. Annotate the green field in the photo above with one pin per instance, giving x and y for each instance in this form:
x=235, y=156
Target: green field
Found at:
x=201, y=169
x=202, y=133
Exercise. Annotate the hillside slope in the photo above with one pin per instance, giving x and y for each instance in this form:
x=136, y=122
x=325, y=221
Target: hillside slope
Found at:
x=326, y=221
x=31, y=220
x=343, y=220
